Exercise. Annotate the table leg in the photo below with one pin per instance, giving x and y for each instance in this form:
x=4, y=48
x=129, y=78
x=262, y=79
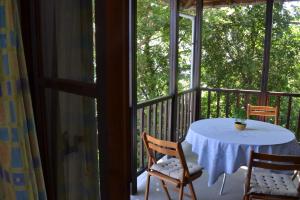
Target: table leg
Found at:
x=223, y=183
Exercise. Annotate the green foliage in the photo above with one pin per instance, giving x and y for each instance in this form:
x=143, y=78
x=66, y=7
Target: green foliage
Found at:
x=152, y=49
x=232, y=53
x=240, y=114
x=233, y=46
x=184, y=54
x=285, y=51
x=153, y=32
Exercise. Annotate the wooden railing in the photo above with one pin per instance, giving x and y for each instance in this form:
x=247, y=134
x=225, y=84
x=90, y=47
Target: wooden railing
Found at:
x=185, y=113
x=222, y=102
x=154, y=116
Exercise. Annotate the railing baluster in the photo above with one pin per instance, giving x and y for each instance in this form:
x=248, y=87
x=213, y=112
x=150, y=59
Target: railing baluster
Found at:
x=298, y=127
x=193, y=107
x=278, y=99
x=238, y=97
x=149, y=120
x=188, y=114
x=289, y=113
x=208, y=104
x=165, y=122
x=160, y=123
x=183, y=115
x=142, y=152
x=180, y=104
x=218, y=104
x=139, y=141
x=169, y=107
x=155, y=119
x=246, y=100
x=178, y=116
x=200, y=104
x=227, y=105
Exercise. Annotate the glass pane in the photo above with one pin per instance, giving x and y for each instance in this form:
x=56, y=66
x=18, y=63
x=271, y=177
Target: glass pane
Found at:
x=72, y=128
x=232, y=54
x=67, y=39
x=153, y=29
x=185, y=51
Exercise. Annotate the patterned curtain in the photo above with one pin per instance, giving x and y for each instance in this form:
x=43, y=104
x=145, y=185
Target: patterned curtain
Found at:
x=21, y=175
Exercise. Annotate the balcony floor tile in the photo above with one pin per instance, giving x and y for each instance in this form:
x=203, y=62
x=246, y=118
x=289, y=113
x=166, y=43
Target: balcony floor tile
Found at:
x=233, y=190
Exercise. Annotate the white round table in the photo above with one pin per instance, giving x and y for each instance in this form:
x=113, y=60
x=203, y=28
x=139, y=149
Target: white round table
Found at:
x=223, y=149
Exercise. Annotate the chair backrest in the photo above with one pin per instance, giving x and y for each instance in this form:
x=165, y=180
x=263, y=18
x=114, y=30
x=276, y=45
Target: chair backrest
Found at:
x=173, y=149
x=263, y=111
x=274, y=162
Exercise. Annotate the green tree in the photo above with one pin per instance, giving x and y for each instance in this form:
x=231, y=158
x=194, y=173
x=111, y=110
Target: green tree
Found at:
x=233, y=46
x=152, y=49
x=153, y=32
x=233, y=39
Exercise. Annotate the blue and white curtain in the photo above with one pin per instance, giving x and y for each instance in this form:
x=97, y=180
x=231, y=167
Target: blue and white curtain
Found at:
x=21, y=176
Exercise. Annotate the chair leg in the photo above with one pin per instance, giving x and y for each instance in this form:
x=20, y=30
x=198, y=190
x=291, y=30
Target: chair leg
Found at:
x=192, y=191
x=246, y=197
x=147, y=187
x=165, y=189
x=295, y=175
x=181, y=191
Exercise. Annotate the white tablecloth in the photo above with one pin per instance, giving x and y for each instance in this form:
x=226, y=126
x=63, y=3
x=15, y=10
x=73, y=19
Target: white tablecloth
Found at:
x=223, y=149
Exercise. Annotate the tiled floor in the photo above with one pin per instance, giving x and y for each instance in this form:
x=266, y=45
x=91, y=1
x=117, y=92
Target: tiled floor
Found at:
x=233, y=190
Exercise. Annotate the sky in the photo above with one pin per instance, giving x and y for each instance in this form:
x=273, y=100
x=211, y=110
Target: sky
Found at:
x=292, y=5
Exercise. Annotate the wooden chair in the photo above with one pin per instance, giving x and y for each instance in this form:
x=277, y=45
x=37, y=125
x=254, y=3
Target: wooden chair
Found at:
x=174, y=170
x=263, y=111
x=270, y=185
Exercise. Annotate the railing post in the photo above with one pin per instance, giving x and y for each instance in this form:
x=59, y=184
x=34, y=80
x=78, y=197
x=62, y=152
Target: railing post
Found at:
x=267, y=49
x=173, y=89
x=197, y=56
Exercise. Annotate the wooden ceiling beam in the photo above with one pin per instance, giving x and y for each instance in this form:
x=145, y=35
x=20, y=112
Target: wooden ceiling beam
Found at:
x=191, y=4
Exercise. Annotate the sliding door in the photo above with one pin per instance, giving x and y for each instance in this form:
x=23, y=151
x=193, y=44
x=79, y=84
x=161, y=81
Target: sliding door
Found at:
x=80, y=80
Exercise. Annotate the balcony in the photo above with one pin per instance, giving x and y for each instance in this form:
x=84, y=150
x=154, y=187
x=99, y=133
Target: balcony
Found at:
x=155, y=117
x=170, y=116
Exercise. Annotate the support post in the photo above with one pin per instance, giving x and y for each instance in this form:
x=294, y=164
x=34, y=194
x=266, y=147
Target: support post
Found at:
x=267, y=49
x=173, y=89
x=197, y=56
x=113, y=104
x=133, y=92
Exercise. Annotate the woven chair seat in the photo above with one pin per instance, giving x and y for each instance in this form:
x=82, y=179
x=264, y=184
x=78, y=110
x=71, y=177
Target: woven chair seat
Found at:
x=272, y=184
x=172, y=167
